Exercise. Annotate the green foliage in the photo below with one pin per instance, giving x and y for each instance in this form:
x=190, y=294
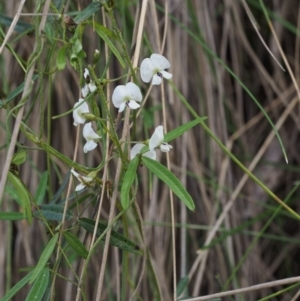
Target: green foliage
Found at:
x=23, y=194
x=17, y=287
x=116, y=239
x=15, y=93
x=101, y=31
x=61, y=60
x=169, y=178
x=45, y=256
x=39, y=286
x=121, y=194
x=19, y=157
x=76, y=244
x=128, y=179
x=42, y=188
x=51, y=212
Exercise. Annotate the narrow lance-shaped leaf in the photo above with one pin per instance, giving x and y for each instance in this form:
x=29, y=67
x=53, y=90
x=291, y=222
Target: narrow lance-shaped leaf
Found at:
x=109, y=43
x=76, y=244
x=128, y=180
x=116, y=238
x=19, y=27
x=182, y=286
x=52, y=212
x=182, y=129
x=42, y=188
x=23, y=195
x=91, y=9
x=166, y=176
x=16, y=287
x=44, y=258
x=18, y=90
x=11, y=216
x=39, y=286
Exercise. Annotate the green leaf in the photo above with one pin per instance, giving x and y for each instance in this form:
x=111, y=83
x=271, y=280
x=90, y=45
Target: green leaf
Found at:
x=44, y=258
x=128, y=180
x=108, y=42
x=11, y=216
x=16, y=287
x=76, y=46
x=19, y=27
x=39, y=287
x=166, y=176
x=17, y=91
x=91, y=9
x=23, y=195
x=52, y=212
x=42, y=188
x=19, y=157
x=61, y=59
x=116, y=238
x=76, y=244
x=182, y=286
x=182, y=129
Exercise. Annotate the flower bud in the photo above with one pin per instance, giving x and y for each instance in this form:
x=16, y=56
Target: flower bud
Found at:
x=89, y=116
x=96, y=56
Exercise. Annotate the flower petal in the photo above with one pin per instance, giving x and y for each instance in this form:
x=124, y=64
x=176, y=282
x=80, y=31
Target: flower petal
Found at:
x=86, y=73
x=165, y=147
x=136, y=150
x=79, y=187
x=156, y=80
x=80, y=107
x=92, y=87
x=133, y=105
x=76, y=174
x=90, y=145
x=150, y=154
x=133, y=92
x=85, y=91
x=122, y=107
x=88, y=132
x=159, y=62
x=146, y=70
x=119, y=96
x=166, y=74
x=157, y=138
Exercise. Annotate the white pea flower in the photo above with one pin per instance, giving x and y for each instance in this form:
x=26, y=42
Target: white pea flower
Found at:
x=89, y=86
x=90, y=136
x=157, y=139
x=137, y=150
x=86, y=74
x=80, y=107
x=128, y=95
x=84, y=181
x=153, y=68
x=85, y=91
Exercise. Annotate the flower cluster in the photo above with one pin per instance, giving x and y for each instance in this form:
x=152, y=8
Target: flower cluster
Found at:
x=129, y=95
x=156, y=140
x=80, y=109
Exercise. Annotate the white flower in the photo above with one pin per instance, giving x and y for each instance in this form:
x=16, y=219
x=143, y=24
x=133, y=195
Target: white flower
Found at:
x=128, y=95
x=89, y=86
x=157, y=139
x=90, y=136
x=86, y=74
x=80, y=107
x=85, y=91
x=154, y=68
x=84, y=181
x=137, y=150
